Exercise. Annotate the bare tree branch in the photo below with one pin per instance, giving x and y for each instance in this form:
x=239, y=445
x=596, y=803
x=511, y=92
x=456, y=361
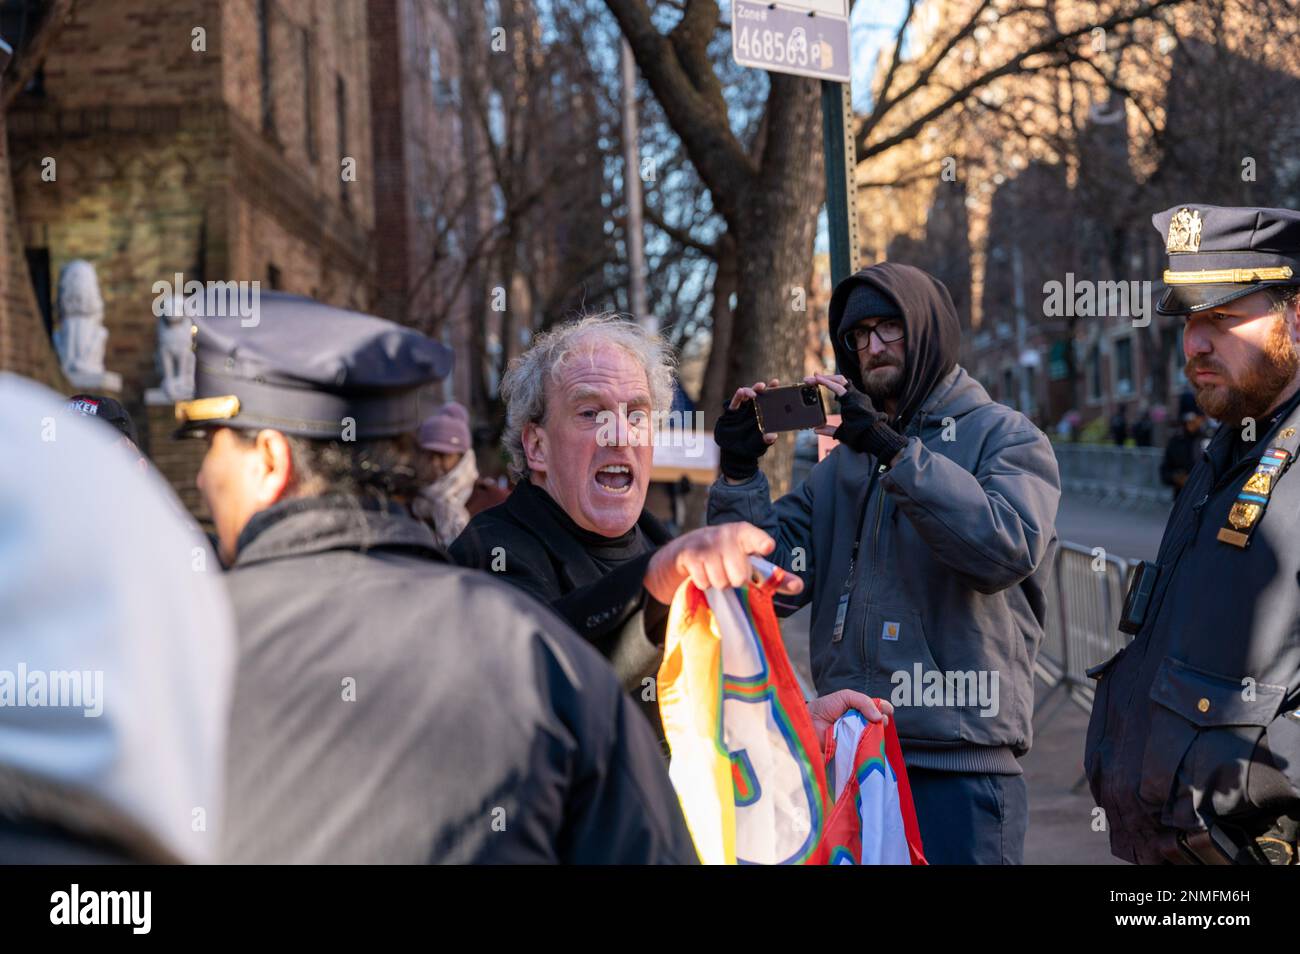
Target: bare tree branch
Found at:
x=692, y=102
x=30, y=58
x=678, y=235
x=897, y=56
x=1060, y=49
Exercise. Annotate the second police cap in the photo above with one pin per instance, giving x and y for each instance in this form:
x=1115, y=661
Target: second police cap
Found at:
x=305, y=368
x=1220, y=253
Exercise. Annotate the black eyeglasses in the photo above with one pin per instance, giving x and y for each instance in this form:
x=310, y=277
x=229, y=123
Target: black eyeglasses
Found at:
x=858, y=338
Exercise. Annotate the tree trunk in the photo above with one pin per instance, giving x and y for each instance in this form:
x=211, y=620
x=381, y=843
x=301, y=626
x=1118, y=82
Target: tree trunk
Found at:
x=774, y=232
x=468, y=18
x=768, y=193
x=718, y=369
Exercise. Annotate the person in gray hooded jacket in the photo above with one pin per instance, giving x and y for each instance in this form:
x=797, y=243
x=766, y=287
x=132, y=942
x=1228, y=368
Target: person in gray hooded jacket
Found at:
x=924, y=541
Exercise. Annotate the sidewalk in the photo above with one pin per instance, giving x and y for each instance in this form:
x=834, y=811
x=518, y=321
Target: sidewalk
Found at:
x=1129, y=531
x=1060, y=805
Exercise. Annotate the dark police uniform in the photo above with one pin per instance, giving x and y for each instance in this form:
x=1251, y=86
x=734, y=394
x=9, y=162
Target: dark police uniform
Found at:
x=388, y=706
x=1193, y=747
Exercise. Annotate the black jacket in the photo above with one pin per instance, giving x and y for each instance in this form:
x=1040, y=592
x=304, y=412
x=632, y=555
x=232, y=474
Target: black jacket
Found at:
x=528, y=542
x=43, y=822
x=390, y=707
x=1190, y=726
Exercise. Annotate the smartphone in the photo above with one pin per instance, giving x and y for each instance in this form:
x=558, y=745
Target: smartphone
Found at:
x=789, y=409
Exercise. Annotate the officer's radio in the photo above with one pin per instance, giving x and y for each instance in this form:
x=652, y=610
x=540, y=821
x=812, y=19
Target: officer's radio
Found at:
x=1138, y=599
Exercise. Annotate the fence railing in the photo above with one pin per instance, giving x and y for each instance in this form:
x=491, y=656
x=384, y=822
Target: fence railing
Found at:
x=1122, y=473
x=1085, y=596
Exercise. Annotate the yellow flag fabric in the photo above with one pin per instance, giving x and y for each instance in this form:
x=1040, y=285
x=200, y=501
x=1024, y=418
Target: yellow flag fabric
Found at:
x=690, y=705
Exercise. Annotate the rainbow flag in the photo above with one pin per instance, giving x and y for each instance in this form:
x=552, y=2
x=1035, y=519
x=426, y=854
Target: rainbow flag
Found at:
x=874, y=820
x=746, y=764
x=745, y=760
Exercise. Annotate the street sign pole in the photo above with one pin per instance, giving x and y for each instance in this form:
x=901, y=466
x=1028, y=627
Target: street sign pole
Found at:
x=841, y=182
x=811, y=38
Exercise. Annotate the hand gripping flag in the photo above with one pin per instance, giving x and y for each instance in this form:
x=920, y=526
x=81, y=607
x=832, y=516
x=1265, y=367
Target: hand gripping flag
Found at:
x=745, y=759
x=746, y=763
x=874, y=820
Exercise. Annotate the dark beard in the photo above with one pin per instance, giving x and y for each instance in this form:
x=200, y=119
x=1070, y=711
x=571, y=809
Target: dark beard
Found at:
x=889, y=388
x=1233, y=403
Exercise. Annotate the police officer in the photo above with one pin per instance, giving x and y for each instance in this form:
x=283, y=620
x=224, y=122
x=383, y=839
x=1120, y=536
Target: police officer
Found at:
x=1193, y=748
x=388, y=706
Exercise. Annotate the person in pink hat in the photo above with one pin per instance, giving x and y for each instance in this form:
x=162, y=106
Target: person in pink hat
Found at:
x=450, y=472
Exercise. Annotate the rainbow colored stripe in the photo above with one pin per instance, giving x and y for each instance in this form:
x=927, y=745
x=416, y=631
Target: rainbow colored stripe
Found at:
x=713, y=783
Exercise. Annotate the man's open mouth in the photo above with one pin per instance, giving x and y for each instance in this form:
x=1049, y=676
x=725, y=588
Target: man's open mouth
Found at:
x=615, y=478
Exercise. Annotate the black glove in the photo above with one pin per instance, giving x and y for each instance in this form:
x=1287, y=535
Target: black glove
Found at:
x=740, y=442
x=864, y=429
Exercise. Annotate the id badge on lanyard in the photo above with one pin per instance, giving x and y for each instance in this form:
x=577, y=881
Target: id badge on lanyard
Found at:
x=842, y=607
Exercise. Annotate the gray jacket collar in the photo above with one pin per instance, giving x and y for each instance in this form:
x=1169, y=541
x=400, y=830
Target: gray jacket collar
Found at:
x=307, y=525
x=955, y=394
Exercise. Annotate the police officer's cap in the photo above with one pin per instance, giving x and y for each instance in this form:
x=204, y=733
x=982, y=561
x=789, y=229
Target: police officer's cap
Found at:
x=1221, y=253
x=306, y=369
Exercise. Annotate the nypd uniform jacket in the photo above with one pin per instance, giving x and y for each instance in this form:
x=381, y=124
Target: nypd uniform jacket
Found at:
x=1193, y=736
x=390, y=707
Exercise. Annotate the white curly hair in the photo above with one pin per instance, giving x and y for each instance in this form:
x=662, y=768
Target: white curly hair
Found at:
x=524, y=386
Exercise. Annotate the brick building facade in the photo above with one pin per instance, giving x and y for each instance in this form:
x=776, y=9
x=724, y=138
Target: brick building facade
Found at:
x=421, y=205
x=219, y=140
x=25, y=347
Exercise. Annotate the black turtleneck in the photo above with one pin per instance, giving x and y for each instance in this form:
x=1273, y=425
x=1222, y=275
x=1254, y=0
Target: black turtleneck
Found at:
x=609, y=553
x=595, y=582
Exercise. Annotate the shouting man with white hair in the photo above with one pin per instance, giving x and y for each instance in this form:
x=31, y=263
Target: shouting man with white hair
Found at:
x=575, y=533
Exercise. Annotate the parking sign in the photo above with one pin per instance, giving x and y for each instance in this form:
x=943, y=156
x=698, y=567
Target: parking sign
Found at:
x=804, y=37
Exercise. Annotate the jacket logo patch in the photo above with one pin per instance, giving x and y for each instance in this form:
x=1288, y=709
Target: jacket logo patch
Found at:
x=889, y=631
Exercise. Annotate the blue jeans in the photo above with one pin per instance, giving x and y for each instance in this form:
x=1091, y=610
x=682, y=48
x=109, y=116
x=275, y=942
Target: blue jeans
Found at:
x=968, y=819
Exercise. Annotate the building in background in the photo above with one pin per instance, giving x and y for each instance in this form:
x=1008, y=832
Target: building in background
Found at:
x=424, y=210
x=218, y=141
x=492, y=198
x=1049, y=182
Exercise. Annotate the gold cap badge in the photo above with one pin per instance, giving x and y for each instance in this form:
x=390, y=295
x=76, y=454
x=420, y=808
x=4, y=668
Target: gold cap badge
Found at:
x=1184, y=232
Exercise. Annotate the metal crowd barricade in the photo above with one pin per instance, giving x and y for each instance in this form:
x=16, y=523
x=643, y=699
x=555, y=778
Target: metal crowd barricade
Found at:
x=1084, y=599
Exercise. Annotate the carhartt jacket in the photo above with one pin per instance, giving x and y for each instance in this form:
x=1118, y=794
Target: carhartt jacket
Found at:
x=945, y=599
